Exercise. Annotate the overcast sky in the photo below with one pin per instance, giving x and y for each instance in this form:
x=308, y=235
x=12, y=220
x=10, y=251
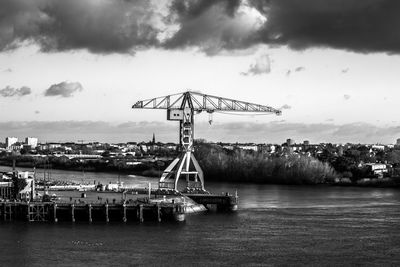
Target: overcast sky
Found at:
x=71, y=70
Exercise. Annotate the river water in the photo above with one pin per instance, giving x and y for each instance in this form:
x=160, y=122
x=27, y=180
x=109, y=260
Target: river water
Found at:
x=275, y=225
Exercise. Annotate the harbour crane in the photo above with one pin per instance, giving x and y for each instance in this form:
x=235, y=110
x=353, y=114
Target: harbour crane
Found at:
x=182, y=107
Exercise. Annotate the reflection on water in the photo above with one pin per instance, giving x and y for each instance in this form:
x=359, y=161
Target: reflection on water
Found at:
x=275, y=225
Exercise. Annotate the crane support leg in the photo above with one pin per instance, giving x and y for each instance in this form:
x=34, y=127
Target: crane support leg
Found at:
x=199, y=170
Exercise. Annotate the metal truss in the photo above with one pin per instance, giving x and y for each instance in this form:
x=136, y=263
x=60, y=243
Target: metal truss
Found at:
x=202, y=102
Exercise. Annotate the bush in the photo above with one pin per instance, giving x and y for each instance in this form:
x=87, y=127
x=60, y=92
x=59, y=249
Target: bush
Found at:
x=241, y=166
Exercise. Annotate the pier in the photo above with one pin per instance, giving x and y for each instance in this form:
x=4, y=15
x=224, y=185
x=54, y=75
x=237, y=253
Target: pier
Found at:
x=91, y=212
x=223, y=202
x=100, y=204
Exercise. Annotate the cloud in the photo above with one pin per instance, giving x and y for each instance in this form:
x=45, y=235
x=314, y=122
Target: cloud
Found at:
x=63, y=89
x=285, y=106
x=90, y=130
x=214, y=25
x=360, y=26
x=127, y=26
x=272, y=132
x=98, y=26
x=346, y=97
x=10, y=91
x=262, y=65
x=297, y=69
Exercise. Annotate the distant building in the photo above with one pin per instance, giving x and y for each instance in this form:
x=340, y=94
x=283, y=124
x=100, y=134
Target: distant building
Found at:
x=289, y=142
x=16, y=146
x=378, y=147
x=54, y=145
x=143, y=148
x=31, y=141
x=272, y=148
x=252, y=147
x=398, y=142
x=10, y=141
x=378, y=169
x=306, y=143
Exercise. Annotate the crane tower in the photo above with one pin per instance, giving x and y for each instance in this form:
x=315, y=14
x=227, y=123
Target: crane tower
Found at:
x=182, y=107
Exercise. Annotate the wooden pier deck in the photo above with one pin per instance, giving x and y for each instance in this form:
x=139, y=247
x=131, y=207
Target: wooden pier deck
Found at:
x=222, y=202
x=91, y=212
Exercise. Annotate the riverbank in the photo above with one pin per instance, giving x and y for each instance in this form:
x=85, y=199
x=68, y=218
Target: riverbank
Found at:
x=154, y=175
x=392, y=182
x=148, y=172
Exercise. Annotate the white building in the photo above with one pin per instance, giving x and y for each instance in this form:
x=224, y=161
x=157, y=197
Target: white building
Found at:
x=10, y=141
x=378, y=147
x=31, y=141
x=289, y=142
x=248, y=147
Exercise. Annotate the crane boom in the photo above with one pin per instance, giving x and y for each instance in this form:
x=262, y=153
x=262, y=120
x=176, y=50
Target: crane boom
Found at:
x=182, y=107
x=202, y=102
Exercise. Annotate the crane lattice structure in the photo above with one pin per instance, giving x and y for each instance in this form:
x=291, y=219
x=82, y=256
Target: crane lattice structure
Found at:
x=182, y=107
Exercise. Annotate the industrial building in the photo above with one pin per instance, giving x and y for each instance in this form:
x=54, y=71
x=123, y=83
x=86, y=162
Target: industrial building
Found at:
x=32, y=142
x=11, y=141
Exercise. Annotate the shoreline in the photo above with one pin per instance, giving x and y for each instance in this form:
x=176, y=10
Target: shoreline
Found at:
x=389, y=182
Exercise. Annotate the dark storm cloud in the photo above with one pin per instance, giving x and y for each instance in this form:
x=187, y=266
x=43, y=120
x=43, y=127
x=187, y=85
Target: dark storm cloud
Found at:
x=10, y=91
x=122, y=26
x=361, y=26
x=210, y=25
x=63, y=89
x=103, y=26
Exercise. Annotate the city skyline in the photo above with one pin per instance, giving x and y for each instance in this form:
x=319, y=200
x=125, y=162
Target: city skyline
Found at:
x=85, y=73
x=166, y=133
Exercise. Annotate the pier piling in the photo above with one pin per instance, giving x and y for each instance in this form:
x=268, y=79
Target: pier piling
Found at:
x=90, y=212
x=106, y=210
x=158, y=212
x=124, y=219
x=55, y=212
x=141, y=219
x=35, y=211
x=72, y=212
x=28, y=209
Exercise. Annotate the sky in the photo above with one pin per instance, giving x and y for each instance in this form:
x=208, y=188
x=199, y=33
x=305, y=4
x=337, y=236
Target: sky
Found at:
x=71, y=70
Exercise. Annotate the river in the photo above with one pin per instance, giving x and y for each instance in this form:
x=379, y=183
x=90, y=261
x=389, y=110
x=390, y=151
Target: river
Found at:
x=275, y=225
